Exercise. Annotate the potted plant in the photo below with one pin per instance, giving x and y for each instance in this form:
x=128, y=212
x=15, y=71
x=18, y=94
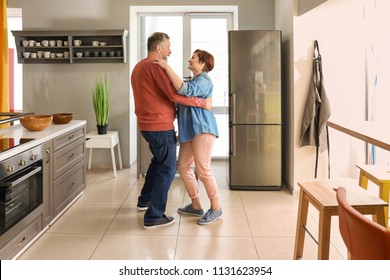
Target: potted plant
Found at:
x=101, y=104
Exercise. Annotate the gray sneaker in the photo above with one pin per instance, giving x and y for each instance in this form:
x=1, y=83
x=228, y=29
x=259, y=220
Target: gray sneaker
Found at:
x=189, y=210
x=210, y=217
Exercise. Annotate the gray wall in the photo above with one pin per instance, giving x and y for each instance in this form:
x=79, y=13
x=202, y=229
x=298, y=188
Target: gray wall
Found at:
x=304, y=6
x=67, y=88
x=284, y=21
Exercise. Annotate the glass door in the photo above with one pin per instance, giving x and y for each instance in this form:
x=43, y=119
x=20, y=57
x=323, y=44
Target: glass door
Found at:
x=191, y=31
x=209, y=32
x=173, y=26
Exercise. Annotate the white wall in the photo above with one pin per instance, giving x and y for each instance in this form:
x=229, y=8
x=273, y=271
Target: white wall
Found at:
x=340, y=27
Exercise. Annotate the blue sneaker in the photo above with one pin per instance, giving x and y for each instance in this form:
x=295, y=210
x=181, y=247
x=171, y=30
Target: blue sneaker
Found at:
x=189, y=210
x=210, y=217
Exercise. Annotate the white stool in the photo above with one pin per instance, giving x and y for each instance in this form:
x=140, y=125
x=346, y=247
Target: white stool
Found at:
x=104, y=141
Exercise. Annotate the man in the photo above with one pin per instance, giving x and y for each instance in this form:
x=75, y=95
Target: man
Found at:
x=154, y=98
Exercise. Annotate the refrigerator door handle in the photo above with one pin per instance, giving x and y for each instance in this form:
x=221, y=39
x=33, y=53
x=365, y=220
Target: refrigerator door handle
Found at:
x=233, y=107
x=234, y=140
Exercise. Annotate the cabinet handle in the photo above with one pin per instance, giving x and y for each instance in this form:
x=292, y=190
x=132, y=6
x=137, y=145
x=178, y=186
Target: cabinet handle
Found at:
x=48, y=154
x=70, y=137
x=71, y=186
x=21, y=242
x=72, y=155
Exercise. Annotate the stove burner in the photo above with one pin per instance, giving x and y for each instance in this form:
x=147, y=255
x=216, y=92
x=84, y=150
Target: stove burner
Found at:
x=9, y=143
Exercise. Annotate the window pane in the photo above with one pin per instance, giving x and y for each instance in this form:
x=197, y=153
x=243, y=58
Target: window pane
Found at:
x=173, y=26
x=210, y=34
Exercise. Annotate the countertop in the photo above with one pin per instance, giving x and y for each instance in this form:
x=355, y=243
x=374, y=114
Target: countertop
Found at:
x=40, y=137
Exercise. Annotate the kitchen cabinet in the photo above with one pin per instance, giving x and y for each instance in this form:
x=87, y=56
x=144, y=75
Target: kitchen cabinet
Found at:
x=71, y=46
x=63, y=180
x=64, y=172
x=21, y=240
x=69, y=168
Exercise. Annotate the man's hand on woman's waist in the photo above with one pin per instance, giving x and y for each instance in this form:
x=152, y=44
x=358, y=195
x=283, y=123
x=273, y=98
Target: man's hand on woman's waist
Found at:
x=209, y=103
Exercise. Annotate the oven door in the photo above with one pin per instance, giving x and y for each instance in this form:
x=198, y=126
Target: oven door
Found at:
x=20, y=195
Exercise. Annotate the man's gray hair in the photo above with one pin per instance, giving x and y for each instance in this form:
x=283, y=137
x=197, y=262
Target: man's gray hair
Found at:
x=155, y=39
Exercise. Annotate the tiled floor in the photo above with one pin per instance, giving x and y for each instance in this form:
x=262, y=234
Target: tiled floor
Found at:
x=104, y=223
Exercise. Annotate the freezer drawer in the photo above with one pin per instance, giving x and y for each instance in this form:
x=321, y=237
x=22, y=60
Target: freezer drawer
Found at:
x=255, y=157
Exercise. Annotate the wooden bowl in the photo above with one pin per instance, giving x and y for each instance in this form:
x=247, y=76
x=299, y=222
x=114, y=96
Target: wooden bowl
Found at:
x=62, y=118
x=36, y=122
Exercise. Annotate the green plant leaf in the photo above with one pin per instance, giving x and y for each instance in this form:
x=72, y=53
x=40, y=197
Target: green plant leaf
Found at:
x=101, y=100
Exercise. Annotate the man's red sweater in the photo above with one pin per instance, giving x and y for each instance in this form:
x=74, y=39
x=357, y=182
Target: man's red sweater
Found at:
x=155, y=97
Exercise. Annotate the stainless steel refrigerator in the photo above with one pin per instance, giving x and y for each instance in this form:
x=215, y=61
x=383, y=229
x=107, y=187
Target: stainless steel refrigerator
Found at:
x=255, y=100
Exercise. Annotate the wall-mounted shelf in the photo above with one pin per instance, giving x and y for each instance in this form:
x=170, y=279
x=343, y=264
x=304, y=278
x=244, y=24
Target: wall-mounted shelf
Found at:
x=58, y=46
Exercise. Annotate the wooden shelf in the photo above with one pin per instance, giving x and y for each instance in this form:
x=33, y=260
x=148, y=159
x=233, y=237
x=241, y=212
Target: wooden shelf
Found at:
x=116, y=42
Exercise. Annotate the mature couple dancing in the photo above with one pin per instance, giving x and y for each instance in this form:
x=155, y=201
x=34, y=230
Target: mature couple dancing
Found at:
x=157, y=89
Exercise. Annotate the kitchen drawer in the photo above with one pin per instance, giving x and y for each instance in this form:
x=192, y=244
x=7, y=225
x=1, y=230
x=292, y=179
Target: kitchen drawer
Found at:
x=21, y=240
x=68, y=157
x=68, y=186
x=68, y=138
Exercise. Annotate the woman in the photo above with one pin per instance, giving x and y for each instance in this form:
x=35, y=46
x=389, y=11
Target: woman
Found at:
x=197, y=134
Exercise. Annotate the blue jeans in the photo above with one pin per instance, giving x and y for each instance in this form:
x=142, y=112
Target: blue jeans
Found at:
x=160, y=174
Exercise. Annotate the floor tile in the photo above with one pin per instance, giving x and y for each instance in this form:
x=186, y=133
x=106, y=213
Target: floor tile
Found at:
x=282, y=248
x=135, y=247
x=104, y=224
x=104, y=194
x=85, y=218
x=271, y=221
x=215, y=248
x=281, y=198
x=106, y=176
x=63, y=246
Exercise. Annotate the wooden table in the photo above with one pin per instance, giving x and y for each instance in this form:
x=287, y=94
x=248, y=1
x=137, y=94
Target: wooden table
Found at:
x=322, y=195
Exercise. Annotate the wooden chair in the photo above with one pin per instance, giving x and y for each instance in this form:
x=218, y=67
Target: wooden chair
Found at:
x=379, y=175
x=365, y=239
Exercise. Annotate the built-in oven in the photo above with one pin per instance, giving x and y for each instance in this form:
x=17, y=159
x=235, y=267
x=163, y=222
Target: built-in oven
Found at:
x=21, y=192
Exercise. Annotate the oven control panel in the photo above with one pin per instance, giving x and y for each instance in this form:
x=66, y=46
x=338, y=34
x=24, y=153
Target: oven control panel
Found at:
x=20, y=161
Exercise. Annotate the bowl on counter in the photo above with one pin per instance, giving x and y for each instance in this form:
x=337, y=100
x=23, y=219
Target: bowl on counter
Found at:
x=62, y=118
x=36, y=122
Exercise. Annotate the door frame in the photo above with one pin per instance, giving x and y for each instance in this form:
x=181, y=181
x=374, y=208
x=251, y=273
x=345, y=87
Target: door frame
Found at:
x=135, y=52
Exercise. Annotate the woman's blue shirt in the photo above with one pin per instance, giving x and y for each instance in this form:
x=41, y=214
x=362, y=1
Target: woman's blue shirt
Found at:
x=193, y=120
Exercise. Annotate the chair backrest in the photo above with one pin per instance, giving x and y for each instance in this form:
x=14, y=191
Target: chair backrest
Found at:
x=365, y=239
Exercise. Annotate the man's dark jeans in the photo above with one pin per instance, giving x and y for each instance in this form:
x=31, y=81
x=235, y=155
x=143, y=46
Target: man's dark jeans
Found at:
x=160, y=174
